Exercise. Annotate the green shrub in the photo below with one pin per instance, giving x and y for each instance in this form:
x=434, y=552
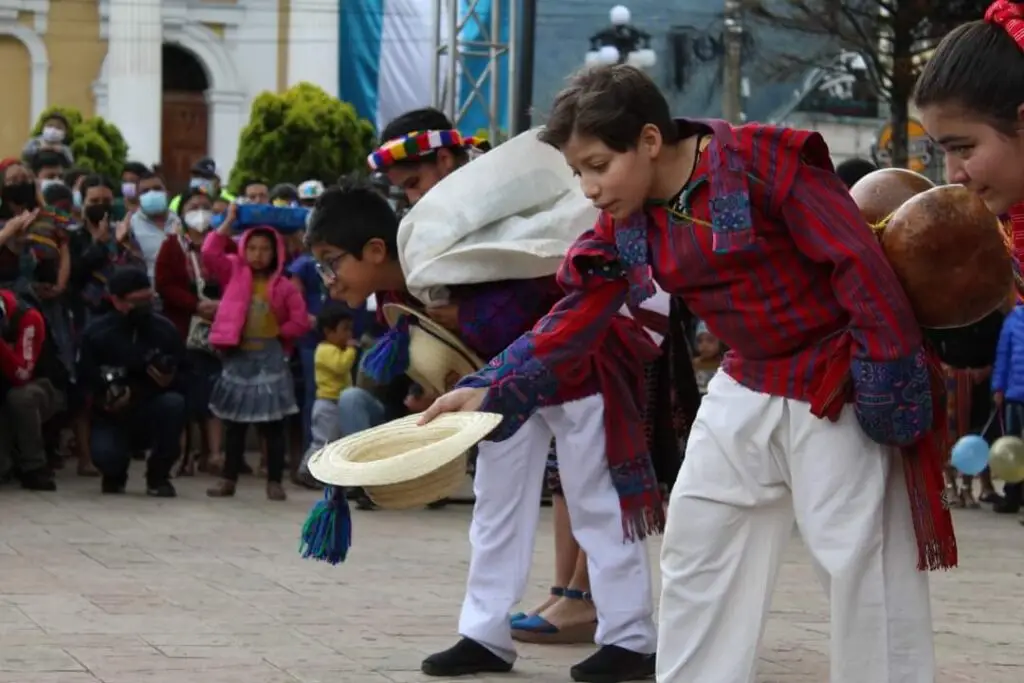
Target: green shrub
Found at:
x=301, y=134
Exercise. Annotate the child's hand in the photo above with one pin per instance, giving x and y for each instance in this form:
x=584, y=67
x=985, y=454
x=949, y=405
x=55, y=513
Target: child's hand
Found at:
x=229, y=220
x=124, y=229
x=997, y=398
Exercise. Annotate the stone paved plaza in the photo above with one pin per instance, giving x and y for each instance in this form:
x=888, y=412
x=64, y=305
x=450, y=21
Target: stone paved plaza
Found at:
x=137, y=590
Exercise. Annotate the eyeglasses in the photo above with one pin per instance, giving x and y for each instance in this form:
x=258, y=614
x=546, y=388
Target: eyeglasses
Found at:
x=328, y=269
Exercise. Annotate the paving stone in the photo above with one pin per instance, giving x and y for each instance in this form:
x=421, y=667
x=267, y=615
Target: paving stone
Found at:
x=100, y=589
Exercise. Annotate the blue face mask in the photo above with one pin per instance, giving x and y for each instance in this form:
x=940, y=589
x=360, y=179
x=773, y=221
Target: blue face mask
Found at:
x=76, y=196
x=153, y=203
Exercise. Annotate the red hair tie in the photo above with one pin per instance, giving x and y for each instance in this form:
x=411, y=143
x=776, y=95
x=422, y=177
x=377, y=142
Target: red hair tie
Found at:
x=1010, y=17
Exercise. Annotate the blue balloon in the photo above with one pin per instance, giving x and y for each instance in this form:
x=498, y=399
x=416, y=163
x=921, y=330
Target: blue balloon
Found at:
x=970, y=455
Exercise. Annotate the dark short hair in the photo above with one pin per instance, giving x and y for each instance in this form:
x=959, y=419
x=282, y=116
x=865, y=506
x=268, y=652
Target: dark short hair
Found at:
x=980, y=68
x=611, y=104
x=852, y=170
x=350, y=214
x=127, y=279
x=136, y=168
x=418, y=121
x=95, y=180
x=331, y=315
x=187, y=195
x=47, y=158
x=57, y=116
x=284, y=191
x=55, y=193
x=250, y=182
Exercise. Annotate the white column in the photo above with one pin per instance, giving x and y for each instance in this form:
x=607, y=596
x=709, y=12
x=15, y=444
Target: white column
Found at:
x=134, y=75
x=226, y=110
x=313, y=44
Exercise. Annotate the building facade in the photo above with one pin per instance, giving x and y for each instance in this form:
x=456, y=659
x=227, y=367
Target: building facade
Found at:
x=176, y=76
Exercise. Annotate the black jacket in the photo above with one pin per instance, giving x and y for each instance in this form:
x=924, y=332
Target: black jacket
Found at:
x=113, y=341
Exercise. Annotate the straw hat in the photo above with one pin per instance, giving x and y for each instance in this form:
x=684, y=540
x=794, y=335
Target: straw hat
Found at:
x=401, y=464
x=436, y=356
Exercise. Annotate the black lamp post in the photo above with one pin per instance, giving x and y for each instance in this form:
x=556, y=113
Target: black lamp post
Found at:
x=621, y=43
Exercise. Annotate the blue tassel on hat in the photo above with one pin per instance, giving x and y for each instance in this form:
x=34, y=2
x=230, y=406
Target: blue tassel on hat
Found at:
x=389, y=358
x=327, y=533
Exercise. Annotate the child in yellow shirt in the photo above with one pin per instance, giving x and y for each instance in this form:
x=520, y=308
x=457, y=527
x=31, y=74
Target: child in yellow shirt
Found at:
x=332, y=363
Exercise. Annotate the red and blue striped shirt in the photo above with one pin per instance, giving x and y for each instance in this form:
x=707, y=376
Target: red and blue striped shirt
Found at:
x=767, y=246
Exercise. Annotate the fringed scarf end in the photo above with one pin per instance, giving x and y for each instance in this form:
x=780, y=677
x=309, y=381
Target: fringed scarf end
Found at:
x=327, y=533
x=640, y=524
x=389, y=358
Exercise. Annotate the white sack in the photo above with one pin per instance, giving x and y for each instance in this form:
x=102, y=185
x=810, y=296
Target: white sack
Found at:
x=511, y=214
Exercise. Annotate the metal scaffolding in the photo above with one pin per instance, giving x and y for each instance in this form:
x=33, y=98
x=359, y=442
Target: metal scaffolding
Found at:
x=452, y=51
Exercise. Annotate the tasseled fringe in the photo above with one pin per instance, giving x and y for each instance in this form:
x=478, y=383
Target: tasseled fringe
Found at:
x=327, y=533
x=923, y=465
x=637, y=525
x=389, y=358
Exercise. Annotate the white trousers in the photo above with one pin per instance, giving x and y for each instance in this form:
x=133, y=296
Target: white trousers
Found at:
x=754, y=463
x=508, y=481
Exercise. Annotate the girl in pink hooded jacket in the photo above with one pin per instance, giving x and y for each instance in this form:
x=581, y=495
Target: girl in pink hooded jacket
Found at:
x=260, y=315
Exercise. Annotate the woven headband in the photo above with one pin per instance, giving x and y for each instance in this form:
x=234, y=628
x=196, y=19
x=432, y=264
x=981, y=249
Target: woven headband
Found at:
x=1010, y=17
x=415, y=145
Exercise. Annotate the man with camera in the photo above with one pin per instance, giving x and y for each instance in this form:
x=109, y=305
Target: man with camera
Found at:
x=27, y=396
x=130, y=363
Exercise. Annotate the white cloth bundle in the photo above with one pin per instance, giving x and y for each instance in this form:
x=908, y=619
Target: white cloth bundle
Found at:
x=511, y=214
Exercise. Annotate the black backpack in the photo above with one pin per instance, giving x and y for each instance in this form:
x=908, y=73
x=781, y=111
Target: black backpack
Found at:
x=49, y=365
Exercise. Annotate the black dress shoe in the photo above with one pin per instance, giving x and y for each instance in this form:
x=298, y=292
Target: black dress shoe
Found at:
x=161, y=490
x=114, y=485
x=465, y=658
x=614, y=664
x=38, y=480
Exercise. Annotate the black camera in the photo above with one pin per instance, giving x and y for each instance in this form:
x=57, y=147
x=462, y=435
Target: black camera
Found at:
x=114, y=380
x=164, y=363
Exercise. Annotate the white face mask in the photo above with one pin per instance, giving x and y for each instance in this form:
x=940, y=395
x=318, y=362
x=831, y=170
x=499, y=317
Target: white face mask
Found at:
x=53, y=134
x=198, y=219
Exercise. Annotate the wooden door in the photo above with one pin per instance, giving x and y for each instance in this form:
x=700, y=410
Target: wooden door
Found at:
x=185, y=136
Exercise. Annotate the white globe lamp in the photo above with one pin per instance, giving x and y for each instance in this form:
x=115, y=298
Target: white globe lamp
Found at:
x=620, y=15
x=593, y=58
x=642, y=59
x=608, y=54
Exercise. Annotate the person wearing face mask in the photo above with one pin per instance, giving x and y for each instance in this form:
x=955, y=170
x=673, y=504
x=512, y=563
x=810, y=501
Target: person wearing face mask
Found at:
x=154, y=220
x=204, y=177
x=96, y=249
x=132, y=365
x=54, y=137
x=35, y=260
x=190, y=297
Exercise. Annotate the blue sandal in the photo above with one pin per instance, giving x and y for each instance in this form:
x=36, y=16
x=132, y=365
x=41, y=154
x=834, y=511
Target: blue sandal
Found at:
x=534, y=628
x=556, y=591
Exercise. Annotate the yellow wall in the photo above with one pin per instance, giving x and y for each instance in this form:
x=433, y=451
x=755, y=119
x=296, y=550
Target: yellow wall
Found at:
x=15, y=103
x=76, y=53
x=284, y=13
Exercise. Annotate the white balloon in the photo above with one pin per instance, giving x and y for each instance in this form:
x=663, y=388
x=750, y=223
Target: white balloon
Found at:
x=620, y=15
x=609, y=54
